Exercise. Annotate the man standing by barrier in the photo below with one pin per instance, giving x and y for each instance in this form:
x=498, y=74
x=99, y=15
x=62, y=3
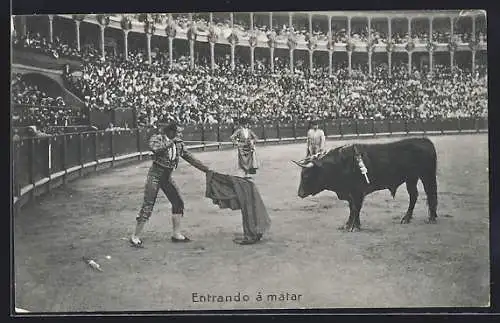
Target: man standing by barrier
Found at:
x=245, y=138
x=167, y=147
x=315, y=140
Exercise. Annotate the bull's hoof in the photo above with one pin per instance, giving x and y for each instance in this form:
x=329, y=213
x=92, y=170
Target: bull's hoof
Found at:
x=405, y=220
x=431, y=221
x=350, y=228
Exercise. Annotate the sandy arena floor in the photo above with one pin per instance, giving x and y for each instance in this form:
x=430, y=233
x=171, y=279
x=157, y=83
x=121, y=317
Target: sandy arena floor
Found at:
x=385, y=265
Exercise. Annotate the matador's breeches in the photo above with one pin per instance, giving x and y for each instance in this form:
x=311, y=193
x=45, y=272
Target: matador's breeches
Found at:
x=159, y=177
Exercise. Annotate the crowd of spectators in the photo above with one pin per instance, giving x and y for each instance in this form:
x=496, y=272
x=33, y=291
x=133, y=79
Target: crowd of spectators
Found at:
x=33, y=107
x=359, y=33
x=418, y=37
x=28, y=94
x=59, y=48
x=200, y=96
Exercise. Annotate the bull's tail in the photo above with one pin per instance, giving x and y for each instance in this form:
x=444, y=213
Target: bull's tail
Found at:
x=429, y=181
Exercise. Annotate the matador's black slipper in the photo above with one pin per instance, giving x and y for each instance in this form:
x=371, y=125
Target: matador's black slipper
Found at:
x=186, y=239
x=136, y=244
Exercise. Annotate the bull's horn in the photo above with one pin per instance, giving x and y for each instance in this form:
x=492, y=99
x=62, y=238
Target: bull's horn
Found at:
x=308, y=165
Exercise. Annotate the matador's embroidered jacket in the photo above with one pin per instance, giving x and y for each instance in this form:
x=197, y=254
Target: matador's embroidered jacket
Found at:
x=166, y=152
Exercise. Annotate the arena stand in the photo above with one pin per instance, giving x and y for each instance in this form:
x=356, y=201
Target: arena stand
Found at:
x=359, y=79
x=182, y=81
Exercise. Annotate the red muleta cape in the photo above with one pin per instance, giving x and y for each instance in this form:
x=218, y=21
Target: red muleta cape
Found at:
x=238, y=193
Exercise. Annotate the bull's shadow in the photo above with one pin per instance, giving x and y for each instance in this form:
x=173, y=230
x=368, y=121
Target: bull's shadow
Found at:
x=315, y=208
x=344, y=228
x=332, y=203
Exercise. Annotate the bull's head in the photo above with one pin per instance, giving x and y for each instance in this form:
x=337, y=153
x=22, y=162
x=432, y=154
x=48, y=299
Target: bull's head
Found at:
x=325, y=171
x=311, y=182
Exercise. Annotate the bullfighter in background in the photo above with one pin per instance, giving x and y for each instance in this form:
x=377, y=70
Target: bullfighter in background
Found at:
x=245, y=139
x=315, y=140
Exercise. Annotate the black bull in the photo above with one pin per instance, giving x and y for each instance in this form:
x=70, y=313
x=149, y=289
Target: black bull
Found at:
x=388, y=166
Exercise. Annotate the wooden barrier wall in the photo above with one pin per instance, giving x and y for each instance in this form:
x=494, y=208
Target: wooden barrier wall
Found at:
x=41, y=164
